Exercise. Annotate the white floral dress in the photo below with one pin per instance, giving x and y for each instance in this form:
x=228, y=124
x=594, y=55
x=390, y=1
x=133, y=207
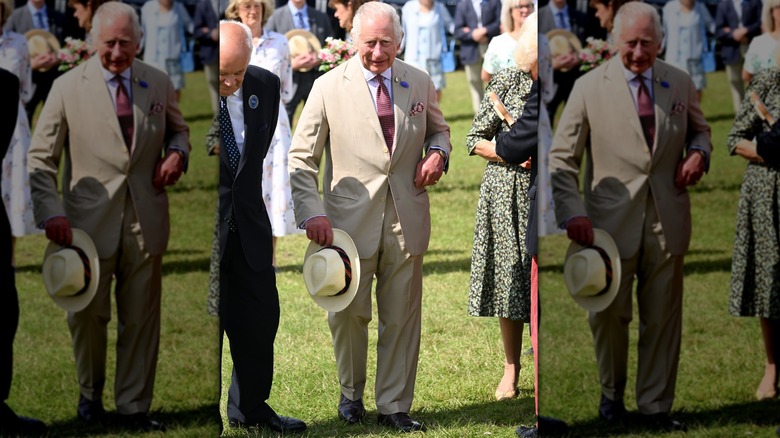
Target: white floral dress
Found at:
x=273, y=54
x=16, y=181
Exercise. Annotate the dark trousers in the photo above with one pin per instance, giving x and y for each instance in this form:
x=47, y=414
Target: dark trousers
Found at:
x=9, y=307
x=43, y=82
x=249, y=314
x=564, y=82
x=303, y=83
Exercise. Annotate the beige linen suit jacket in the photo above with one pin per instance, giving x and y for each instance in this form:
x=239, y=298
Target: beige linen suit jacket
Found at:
x=79, y=118
x=340, y=120
x=620, y=172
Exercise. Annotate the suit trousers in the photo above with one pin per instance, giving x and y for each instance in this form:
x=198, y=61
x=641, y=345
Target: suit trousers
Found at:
x=474, y=79
x=303, y=82
x=734, y=74
x=398, y=296
x=659, y=296
x=249, y=314
x=138, y=289
x=9, y=320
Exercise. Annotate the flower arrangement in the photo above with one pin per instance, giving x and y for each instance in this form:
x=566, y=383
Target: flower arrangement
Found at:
x=595, y=53
x=74, y=53
x=334, y=53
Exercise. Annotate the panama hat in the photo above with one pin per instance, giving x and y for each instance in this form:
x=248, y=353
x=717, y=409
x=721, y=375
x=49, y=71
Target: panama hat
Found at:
x=332, y=273
x=302, y=42
x=71, y=273
x=40, y=42
x=562, y=42
x=592, y=273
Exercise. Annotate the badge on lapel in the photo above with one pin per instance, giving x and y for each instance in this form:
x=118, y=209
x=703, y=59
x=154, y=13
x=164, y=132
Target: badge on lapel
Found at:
x=253, y=101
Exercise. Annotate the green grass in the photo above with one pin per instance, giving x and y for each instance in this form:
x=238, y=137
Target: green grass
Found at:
x=722, y=357
x=187, y=385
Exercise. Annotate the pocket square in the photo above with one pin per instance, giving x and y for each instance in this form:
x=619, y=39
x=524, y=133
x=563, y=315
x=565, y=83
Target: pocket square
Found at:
x=416, y=109
x=157, y=108
x=678, y=108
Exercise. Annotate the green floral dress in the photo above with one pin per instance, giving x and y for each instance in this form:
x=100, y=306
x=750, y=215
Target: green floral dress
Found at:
x=755, y=269
x=500, y=263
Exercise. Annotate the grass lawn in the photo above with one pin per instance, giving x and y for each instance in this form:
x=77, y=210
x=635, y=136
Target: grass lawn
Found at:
x=722, y=357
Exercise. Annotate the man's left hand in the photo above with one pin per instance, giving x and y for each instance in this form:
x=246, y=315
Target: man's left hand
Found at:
x=168, y=170
x=689, y=171
x=429, y=170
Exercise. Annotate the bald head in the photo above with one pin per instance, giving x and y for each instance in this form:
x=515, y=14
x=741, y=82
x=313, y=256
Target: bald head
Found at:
x=235, y=50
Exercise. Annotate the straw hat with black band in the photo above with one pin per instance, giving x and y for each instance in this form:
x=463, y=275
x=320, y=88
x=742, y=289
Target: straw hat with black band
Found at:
x=592, y=273
x=332, y=273
x=71, y=273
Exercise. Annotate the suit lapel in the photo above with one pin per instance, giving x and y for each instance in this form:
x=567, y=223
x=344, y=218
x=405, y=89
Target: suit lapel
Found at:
x=401, y=102
x=141, y=104
x=662, y=97
x=357, y=86
x=104, y=104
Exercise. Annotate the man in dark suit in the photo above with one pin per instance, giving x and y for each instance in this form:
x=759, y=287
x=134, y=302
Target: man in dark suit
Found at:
x=476, y=23
x=298, y=15
x=249, y=301
x=558, y=14
x=10, y=423
x=736, y=23
x=36, y=15
x=206, y=32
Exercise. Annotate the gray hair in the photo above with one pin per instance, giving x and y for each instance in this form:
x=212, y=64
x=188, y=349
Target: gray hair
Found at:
x=631, y=11
x=247, y=40
x=766, y=15
x=373, y=11
x=526, y=51
x=108, y=12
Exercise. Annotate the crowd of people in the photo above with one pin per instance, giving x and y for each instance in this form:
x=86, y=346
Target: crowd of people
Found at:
x=371, y=222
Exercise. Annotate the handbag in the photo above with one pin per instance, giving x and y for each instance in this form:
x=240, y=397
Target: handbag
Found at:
x=708, y=50
x=448, y=63
x=187, y=55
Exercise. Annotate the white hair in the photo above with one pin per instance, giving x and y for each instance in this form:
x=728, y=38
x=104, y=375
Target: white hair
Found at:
x=526, y=50
x=373, y=11
x=108, y=12
x=630, y=12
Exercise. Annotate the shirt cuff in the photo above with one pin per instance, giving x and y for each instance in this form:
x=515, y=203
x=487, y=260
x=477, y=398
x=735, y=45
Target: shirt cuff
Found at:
x=302, y=225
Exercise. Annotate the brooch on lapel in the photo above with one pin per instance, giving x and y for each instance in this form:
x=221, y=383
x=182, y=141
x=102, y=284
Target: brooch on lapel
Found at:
x=253, y=102
x=416, y=109
x=678, y=108
x=141, y=83
x=157, y=108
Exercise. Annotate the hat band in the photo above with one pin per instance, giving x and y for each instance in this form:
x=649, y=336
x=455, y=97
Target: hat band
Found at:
x=347, y=268
x=87, y=268
x=607, y=268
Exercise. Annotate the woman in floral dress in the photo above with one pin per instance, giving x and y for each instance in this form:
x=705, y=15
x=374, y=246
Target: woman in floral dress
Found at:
x=500, y=263
x=755, y=270
x=15, y=184
x=270, y=51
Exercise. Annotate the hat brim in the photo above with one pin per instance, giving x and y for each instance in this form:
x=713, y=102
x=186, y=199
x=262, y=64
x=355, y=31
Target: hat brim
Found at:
x=310, y=38
x=54, y=45
x=340, y=302
x=78, y=303
x=603, y=240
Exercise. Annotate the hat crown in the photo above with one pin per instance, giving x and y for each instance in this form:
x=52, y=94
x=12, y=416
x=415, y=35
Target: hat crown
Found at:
x=587, y=275
x=63, y=273
x=324, y=273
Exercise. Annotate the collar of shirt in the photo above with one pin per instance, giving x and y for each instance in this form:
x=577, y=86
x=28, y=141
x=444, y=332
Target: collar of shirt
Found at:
x=304, y=10
x=477, y=4
x=738, y=8
x=633, y=85
x=33, y=11
x=112, y=86
x=373, y=86
x=235, y=104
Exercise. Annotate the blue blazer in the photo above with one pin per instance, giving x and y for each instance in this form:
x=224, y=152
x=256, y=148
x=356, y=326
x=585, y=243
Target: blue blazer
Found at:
x=206, y=17
x=466, y=16
x=726, y=16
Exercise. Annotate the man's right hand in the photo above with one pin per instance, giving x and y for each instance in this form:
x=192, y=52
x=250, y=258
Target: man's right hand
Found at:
x=580, y=230
x=318, y=230
x=58, y=230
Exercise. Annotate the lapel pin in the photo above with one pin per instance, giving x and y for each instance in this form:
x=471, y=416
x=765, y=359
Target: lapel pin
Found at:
x=141, y=83
x=664, y=84
x=253, y=101
x=404, y=84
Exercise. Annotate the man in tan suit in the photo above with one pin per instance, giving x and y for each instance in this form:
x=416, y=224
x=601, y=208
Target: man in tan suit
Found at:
x=374, y=184
x=647, y=140
x=124, y=139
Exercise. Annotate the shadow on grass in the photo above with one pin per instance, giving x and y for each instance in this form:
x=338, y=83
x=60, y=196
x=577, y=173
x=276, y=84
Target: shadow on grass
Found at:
x=185, y=266
x=505, y=414
x=206, y=416
x=760, y=414
x=691, y=267
x=205, y=116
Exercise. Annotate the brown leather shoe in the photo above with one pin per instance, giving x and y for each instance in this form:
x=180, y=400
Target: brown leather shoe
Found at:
x=401, y=421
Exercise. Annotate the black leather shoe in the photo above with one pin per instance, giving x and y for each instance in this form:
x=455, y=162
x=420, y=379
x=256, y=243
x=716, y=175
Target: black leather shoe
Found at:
x=16, y=425
x=662, y=421
x=351, y=411
x=611, y=410
x=141, y=422
x=401, y=421
x=90, y=411
x=277, y=423
x=549, y=426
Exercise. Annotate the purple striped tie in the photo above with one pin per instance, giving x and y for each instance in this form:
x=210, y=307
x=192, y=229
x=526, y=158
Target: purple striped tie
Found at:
x=384, y=108
x=124, y=112
x=644, y=106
